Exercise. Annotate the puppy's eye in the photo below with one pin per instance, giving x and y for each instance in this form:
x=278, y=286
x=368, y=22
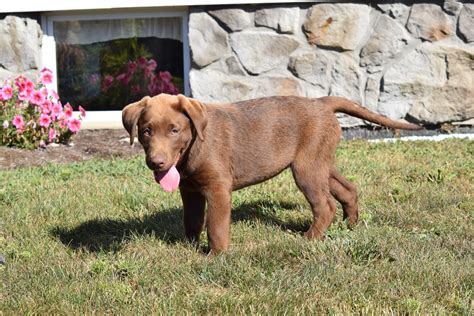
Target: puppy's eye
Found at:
x=147, y=132
x=174, y=131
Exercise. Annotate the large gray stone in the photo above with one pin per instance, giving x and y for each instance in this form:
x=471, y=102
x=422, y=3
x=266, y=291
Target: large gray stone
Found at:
x=313, y=66
x=311, y=91
x=283, y=20
x=208, y=41
x=277, y=85
x=229, y=66
x=406, y=80
x=466, y=23
x=209, y=85
x=420, y=66
x=261, y=51
x=234, y=19
x=452, y=6
x=432, y=84
x=392, y=102
x=429, y=22
x=20, y=45
x=5, y=75
x=398, y=11
x=346, y=79
x=340, y=26
x=372, y=91
x=388, y=39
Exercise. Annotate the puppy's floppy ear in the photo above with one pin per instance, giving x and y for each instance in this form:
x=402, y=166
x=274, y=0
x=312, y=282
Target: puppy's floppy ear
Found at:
x=131, y=114
x=196, y=112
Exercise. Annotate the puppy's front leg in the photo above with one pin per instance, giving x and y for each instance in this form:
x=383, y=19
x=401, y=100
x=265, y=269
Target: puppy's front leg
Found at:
x=194, y=204
x=218, y=218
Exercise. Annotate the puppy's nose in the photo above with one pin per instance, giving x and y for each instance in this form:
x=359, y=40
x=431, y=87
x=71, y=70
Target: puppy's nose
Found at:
x=157, y=162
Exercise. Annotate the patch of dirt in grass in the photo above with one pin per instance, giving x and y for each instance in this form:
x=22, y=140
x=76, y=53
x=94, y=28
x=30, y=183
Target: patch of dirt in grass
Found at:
x=88, y=144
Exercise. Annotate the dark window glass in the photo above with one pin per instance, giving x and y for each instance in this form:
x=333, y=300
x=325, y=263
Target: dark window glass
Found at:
x=107, y=64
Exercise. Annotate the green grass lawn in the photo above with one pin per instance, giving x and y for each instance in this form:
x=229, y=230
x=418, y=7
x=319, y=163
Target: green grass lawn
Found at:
x=102, y=237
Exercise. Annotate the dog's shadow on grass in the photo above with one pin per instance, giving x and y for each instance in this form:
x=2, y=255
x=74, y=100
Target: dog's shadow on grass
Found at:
x=167, y=225
x=111, y=234
x=267, y=212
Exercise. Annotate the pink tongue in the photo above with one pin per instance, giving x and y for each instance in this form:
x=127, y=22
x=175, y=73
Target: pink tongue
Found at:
x=169, y=180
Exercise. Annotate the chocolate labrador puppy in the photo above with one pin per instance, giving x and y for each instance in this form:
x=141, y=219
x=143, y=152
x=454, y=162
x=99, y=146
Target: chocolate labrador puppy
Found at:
x=210, y=150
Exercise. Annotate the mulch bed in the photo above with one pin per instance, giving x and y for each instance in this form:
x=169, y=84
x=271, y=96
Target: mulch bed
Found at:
x=88, y=144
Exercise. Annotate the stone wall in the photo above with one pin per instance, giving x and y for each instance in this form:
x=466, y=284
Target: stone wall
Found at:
x=20, y=47
x=404, y=61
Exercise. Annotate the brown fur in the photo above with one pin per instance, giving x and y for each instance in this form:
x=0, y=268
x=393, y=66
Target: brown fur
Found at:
x=225, y=147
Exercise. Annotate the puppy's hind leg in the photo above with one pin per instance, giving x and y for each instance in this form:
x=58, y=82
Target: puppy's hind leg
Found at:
x=346, y=193
x=314, y=183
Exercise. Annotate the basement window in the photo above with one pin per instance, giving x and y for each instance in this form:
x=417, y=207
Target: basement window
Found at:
x=106, y=61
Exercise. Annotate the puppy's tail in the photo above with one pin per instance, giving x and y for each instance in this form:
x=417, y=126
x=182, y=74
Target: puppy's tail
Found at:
x=343, y=105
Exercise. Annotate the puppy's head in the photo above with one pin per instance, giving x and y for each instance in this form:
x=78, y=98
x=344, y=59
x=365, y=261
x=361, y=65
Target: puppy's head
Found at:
x=165, y=124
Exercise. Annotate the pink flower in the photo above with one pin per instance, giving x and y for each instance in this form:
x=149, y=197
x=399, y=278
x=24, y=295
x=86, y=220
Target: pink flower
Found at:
x=152, y=88
x=151, y=64
x=19, y=123
x=142, y=62
x=46, y=76
x=6, y=93
x=83, y=111
x=124, y=78
x=74, y=125
x=165, y=76
x=45, y=120
x=62, y=122
x=136, y=89
x=56, y=109
x=147, y=73
x=169, y=88
x=67, y=110
x=5, y=124
x=132, y=66
x=29, y=84
x=55, y=95
x=44, y=92
x=46, y=106
x=52, y=135
x=22, y=96
x=29, y=92
x=25, y=86
x=42, y=144
x=127, y=80
x=20, y=83
x=37, y=98
x=108, y=81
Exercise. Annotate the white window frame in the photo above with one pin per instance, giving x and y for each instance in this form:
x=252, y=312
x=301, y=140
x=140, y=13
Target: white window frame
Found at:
x=110, y=119
x=49, y=6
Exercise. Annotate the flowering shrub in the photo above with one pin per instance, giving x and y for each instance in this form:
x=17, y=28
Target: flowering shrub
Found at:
x=138, y=79
x=31, y=115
